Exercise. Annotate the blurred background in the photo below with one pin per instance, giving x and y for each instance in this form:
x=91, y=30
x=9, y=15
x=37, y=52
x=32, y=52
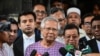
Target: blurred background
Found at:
x=14, y=7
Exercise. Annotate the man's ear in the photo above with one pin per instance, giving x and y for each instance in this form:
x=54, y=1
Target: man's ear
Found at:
x=82, y=26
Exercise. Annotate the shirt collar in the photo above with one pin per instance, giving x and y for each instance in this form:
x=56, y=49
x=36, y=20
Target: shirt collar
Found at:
x=88, y=38
x=27, y=37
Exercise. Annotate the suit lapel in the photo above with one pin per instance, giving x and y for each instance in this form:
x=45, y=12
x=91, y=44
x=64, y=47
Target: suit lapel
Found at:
x=20, y=44
x=94, y=46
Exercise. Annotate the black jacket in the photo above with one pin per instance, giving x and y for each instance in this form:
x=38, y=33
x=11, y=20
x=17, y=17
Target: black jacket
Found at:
x=18, y=46
x=93, y=45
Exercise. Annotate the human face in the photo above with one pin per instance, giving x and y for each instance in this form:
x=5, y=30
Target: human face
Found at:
x=87, y=28
x=71, y=37
x=96, y=10
x=61, y=18
x=40, y=12
x=27, y=24
x=74, y=18
x=4, y=36
x=50, y=31
x=96, y=29
x=58, y=5
x=13, y=33
x=87, y=24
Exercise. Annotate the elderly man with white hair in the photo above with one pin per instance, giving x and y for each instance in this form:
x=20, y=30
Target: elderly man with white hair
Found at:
x=49, y=31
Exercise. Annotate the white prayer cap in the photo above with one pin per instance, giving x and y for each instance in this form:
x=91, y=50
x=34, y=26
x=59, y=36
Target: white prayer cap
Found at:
x=73, y=9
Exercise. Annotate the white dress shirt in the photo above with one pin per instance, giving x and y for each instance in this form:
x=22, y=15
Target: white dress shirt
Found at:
x=98, y=44
x=82, y=33
x=88, y=38
x=9, y=49
x=28, y=40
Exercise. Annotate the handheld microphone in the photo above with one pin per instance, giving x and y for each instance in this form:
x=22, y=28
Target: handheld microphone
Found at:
x=63, y=51
x=46, y=54
x=33, y=53
x=70, y=48
x=86, y=50
x=78, y=53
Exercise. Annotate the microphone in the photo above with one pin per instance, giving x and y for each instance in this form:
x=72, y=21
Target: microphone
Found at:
x=46, y=54
x=63, y=51
x=78, y=53
x=33, y=53
x=86, y=50
x=70, y=48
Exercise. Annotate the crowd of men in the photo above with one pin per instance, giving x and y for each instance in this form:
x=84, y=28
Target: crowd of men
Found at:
x=58, y=34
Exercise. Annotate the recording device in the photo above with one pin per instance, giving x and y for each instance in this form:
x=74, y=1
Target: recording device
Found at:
x=33, y=53
x=63, y=51
x=46, y=54
x=86, y=50
x=70, y=48
x=4, y=26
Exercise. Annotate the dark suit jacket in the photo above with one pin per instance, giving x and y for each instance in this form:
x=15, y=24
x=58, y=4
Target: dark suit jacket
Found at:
x=82, y=43
x=18, y=46
x=93, y=44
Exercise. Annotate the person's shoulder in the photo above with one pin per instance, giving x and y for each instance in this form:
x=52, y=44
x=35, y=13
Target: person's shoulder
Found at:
x=18, y=40
x=91, y=41
x=34, y=44
x=59, y=44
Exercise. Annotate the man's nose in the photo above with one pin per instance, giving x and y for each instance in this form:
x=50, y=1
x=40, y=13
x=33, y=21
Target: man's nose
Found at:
x=51, y=31
x=27, y=23
x=12, y=33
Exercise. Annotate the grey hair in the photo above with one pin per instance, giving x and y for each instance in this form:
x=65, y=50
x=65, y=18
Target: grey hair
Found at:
x=49, y=18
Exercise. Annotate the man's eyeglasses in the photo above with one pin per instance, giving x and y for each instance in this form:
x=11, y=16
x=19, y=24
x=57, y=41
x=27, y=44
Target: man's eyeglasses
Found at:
x=60, y=20
x=53, y=29
x=96, y=26
x=87, y=23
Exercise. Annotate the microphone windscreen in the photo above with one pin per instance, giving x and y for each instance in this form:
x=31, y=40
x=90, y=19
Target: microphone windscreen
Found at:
x=46, y=54
x=69, y=47
x=62, y=51
x=33, y=53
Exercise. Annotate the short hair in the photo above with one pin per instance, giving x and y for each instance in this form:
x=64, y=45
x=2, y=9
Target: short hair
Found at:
x=26, y=13
x=87, y=15
x=96, y=18
x=49, y=18
x=71, y=26
x=4, y=26
x=54, y=10
x=39, y=4
x=12, y=21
